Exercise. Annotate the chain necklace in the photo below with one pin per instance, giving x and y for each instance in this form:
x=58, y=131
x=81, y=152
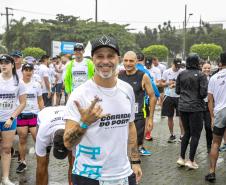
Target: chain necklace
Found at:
x=102, y=91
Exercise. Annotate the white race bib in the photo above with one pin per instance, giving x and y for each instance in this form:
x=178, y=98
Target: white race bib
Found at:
x=123, y=181
x=6, y=104
x=29, y=105
x=136, y=107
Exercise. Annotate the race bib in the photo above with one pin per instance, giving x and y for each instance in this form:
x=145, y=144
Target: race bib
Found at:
x=6, y=105
x=123, y=181
x=29, y=105
x=79, y=79
x=136, y=107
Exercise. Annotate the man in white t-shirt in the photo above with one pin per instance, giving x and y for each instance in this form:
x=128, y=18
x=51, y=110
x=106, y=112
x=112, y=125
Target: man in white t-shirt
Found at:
x=156, y=63
x=18, y=58
x=59, y=67
x=217, y=108
x=44, y=75
x=50, y=133
x=154, y=71
x=171, y=99
x=101, y=126
x=78, y=70
x=162, y=68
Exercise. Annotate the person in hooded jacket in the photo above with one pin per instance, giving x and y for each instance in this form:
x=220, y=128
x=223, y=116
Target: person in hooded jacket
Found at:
x=191, y=85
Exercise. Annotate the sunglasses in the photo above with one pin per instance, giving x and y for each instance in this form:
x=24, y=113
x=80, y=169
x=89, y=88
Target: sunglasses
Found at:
x=78, y=50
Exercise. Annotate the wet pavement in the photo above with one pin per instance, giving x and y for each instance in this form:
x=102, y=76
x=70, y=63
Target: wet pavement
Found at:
x=158, y=169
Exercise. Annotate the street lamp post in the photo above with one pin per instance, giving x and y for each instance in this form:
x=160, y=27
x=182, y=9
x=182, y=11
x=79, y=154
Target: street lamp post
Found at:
x=185, y=30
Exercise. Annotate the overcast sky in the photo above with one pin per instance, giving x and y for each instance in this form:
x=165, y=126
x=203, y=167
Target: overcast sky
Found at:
x=138, y=13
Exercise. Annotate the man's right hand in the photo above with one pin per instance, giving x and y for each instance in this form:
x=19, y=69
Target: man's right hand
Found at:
x=92, y=113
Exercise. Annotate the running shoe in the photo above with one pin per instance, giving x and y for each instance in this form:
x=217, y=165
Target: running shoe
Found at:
x=7, y=182
x=223, y=148
x=211, y=177
x=180, y=139
x=21, y=168
x=148, y=136
x=181, y=162
x=144, y=151
x=172, y=139
x=192, y=165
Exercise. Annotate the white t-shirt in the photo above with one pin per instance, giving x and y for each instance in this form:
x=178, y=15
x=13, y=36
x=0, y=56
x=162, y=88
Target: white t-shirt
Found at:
x=52, y=76
x=161, y=67
x=102, y=152
x=43, y=72
x=217, y=87
x=19, y=73
x=170, y=75
x=33, y=90
x=79, y=73
x=50, y=119
x=9, y=95
x=155, y=73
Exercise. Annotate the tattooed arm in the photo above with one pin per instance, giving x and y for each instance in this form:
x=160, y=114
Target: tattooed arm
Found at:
x=133, y=151
x=133, y=147
x=73, y=134
x=73, y=131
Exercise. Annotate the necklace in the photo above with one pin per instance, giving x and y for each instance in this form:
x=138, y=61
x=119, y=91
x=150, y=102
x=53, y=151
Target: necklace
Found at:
x=106, y=94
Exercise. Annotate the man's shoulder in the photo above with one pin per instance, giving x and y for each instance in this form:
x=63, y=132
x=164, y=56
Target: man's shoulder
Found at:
x=155, y=69
x=168, y=71
x=124, y=85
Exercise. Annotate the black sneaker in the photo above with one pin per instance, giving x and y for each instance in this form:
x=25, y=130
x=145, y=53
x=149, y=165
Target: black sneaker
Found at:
x=211, y=177
x=21, y=168
x=172, y=139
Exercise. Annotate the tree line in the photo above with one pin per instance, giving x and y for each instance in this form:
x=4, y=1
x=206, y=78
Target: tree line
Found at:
x=34, y=33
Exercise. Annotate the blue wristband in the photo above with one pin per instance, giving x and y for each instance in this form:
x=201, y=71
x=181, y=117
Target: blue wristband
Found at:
x=84, y=125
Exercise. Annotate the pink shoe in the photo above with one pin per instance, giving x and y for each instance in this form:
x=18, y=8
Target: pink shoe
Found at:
x=148, y=136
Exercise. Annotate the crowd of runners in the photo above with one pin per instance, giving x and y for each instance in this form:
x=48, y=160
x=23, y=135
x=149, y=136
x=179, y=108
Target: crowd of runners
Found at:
x=98, y=110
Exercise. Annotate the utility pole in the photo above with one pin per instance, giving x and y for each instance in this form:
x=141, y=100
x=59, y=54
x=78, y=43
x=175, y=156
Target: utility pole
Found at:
x=185, y=29
x=7, y=14
x=96, y=12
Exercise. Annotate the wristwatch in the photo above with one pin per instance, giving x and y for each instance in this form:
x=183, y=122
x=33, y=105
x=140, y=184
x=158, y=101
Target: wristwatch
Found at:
x=84, y=125
x=11, y=118
x=136, y=162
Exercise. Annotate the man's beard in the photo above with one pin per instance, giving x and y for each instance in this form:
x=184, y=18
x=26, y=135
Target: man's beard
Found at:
x=104, y=75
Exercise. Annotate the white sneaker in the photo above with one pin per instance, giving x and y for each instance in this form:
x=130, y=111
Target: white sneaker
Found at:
x=191, y=165
x=7, y=182
x=181, y=162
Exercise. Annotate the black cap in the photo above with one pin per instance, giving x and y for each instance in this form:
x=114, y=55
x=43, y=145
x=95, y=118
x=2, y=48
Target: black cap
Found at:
x=7, y=58
x=140, y=56
x=16, y=53
x=177, y=61
x=105, y=41
x=28, y=66
x=44, y=57
x=59, y=150
x=78, y=46
x=148, y=62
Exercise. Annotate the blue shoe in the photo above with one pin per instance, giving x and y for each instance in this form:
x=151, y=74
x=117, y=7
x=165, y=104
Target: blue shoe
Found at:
x=223, y=148
x=144, y=151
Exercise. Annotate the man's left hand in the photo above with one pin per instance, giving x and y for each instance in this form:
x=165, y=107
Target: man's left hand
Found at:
x=149, y=124
x=138, y=172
